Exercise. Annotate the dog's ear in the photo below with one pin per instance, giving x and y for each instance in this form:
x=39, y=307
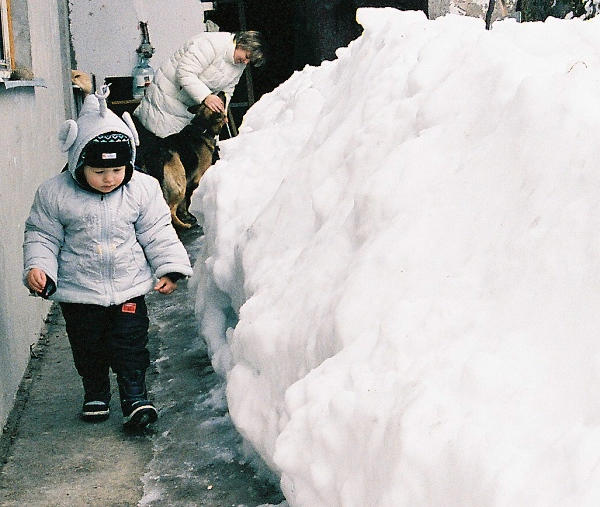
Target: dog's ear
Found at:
x=195, y=108
x=221, y=95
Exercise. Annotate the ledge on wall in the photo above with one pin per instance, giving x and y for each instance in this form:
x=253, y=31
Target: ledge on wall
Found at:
x=23, y=82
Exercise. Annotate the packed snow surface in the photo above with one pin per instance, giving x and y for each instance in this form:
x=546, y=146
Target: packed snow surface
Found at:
x=401, y=270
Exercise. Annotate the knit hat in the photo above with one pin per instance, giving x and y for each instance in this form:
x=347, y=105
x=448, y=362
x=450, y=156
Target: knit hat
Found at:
x=107, y=150
x=99, y=138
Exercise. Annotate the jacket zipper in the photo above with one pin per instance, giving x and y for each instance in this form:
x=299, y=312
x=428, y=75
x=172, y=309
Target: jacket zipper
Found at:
x=106, y=250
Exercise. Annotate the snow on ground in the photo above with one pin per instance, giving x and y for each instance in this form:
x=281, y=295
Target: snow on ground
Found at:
x=401, y=270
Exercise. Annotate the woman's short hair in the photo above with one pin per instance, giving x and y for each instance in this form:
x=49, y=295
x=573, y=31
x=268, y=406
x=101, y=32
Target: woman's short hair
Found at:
x=253, y=42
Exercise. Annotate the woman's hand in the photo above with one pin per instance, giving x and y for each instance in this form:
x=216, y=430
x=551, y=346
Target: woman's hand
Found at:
x=36, y=280
x=214, y=103
x=165, y=285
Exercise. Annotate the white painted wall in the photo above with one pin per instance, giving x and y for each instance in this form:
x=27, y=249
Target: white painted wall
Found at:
x=105, y=33
x=29, y=153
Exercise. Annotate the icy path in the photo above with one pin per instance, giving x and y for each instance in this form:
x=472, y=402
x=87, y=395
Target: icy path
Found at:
x=197, y=457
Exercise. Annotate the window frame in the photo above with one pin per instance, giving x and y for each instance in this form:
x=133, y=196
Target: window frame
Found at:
x=7, y=63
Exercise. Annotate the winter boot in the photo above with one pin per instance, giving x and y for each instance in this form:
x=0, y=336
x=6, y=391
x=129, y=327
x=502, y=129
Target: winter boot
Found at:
x=138, y=412
x=95, y=402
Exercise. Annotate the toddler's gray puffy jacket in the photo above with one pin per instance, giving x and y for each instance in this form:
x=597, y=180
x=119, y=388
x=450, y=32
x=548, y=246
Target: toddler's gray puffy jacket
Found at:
x=102, y=248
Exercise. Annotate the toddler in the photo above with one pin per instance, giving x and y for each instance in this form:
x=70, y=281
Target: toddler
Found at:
x=97, y=236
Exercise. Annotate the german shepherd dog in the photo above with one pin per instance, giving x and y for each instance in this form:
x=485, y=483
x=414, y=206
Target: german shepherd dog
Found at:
x=179, y=160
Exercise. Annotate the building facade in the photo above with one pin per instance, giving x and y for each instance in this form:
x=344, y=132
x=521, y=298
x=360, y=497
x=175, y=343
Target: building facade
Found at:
x=35, y=98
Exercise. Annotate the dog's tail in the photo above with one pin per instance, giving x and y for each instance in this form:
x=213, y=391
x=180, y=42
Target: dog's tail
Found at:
x=155, y=160
x=154, y=168
x=150, y=155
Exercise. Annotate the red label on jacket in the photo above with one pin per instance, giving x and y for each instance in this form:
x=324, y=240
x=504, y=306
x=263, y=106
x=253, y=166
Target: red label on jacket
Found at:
x=128, y=308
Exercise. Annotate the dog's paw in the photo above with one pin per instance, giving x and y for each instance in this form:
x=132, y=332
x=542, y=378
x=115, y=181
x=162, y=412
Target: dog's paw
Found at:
x=182, y=226
x=187, y=217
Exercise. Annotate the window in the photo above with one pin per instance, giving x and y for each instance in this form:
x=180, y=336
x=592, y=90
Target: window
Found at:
x=6, y=61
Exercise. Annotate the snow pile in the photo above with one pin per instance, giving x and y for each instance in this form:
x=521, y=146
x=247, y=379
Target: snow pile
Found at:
x=401, y=270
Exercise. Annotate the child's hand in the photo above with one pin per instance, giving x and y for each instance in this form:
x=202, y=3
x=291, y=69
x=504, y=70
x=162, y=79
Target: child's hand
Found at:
x=36, y=280
x=165, y=285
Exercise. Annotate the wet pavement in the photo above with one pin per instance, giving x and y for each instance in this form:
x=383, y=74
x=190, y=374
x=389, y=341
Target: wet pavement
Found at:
x=191, y=456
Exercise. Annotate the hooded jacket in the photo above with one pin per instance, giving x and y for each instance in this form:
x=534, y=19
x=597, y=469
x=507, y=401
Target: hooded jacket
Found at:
x=204, y=65
x=100, y=248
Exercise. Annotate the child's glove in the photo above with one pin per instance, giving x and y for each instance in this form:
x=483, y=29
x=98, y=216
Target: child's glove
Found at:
x=35, y=278
x=49, y=288
x=175, y=277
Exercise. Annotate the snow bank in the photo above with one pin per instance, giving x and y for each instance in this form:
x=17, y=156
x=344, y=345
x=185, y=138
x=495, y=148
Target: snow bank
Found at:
x=401, y=275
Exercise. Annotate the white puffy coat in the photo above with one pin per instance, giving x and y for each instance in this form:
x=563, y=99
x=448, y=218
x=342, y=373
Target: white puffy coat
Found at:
x=204, y=65
x=102, y=248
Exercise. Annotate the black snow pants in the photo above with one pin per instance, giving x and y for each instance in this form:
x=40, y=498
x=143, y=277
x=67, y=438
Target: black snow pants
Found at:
x=104, y=337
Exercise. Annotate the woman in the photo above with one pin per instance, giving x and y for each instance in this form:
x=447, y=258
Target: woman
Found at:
x=206, y=64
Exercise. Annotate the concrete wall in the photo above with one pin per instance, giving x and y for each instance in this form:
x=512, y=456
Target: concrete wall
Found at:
x=106, y=34
x=29, y=153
